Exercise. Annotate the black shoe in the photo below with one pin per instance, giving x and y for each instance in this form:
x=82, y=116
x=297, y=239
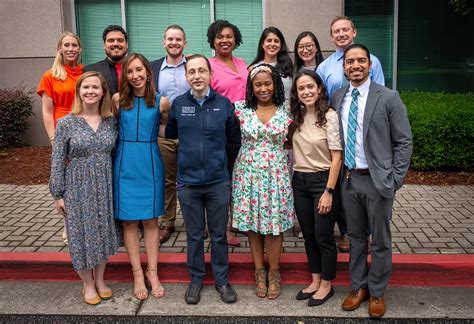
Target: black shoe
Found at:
x=227, y=293
x=193, y=294
x=303, y=296
x=317, y=302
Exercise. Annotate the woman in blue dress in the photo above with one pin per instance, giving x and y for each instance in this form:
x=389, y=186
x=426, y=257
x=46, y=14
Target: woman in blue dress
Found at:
x=138, y=169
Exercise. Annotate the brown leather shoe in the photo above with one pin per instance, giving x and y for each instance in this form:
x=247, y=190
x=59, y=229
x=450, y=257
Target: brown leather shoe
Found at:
x=376, y=307
x=165, y=232
x=355, y=298
x=343, y=244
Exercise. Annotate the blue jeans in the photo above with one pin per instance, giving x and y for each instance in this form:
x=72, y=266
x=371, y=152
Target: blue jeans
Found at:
x=198, y=203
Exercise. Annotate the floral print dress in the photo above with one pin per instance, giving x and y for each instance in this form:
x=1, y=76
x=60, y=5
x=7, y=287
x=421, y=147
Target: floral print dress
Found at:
x=262, y=197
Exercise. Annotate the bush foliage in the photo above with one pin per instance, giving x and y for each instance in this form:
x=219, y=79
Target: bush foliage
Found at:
x=16, y=107
x=443, y=130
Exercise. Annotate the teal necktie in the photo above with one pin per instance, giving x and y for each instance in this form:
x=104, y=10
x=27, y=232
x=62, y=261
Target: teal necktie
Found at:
x=351, y=131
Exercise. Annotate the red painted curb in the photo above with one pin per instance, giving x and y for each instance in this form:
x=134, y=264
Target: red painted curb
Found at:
x=408, y=269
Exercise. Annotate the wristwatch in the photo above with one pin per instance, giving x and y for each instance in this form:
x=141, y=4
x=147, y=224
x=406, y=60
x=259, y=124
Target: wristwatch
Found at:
x=330, y=190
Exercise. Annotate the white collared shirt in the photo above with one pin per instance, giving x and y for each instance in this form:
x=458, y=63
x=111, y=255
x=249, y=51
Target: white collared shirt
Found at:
x=360, y=159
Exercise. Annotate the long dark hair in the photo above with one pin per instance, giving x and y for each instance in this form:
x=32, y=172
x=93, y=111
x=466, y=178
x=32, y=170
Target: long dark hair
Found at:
x=126, y=91
x=278, y=97
x=298, y=109
x=319, y=55
x=284, y=64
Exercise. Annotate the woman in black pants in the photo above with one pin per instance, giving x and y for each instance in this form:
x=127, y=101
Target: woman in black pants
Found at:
x=317, y=153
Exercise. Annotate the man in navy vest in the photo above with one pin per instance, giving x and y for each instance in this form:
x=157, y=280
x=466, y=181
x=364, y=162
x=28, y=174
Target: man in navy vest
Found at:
x=204, y=122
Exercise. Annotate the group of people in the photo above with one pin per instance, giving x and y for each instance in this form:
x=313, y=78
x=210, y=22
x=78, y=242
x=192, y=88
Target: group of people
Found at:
x=212, y=132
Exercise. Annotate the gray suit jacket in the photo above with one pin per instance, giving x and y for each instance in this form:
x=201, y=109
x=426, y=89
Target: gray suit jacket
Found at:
x=387, y=137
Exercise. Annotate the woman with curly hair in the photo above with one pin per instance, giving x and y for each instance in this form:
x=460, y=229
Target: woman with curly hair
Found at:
x=229, y=77
x=261, y=191
x=272, y=49
x=317, y=153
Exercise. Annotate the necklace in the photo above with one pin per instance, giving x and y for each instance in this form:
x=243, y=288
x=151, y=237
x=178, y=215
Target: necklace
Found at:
x=262, y=111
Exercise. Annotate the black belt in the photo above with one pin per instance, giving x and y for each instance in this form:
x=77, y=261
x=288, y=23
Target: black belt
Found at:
x=357, y=171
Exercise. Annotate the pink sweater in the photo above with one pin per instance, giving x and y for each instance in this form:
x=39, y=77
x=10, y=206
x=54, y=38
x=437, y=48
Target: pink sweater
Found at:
x=228, y=83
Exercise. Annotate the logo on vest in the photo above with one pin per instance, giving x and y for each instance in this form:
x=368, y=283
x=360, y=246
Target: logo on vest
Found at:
x=188, y=111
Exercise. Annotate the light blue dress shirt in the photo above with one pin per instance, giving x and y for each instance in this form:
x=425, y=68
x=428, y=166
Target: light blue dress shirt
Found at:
x=172, y=81
x=331, y=70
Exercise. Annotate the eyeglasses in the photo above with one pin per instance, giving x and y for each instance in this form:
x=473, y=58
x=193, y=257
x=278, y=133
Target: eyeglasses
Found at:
x=198, y=71
x=308, y=47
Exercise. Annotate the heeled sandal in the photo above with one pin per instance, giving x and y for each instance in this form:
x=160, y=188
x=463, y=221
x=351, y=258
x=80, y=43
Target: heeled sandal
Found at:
x=274, y=287
x=159, y=291
x=261, y=279
x=139, y=293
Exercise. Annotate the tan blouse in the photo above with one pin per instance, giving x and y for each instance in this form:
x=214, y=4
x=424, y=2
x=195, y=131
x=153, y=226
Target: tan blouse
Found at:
x=312, y=144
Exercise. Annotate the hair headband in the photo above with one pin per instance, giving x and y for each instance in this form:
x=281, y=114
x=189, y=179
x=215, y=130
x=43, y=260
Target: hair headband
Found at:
x=258, y=69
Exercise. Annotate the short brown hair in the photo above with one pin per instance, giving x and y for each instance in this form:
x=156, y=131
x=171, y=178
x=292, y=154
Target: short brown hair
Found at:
x=337, y=18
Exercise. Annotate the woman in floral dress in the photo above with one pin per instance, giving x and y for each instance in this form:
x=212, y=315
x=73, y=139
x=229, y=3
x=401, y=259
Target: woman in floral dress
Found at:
x=81, y=183
x=261, y=190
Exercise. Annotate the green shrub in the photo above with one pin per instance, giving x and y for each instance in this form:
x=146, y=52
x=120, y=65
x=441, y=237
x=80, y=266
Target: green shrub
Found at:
x=16, y=107
x=443, y=130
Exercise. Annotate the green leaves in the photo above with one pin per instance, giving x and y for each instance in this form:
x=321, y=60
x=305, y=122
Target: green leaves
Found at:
x=16, y=107
x=443, y=130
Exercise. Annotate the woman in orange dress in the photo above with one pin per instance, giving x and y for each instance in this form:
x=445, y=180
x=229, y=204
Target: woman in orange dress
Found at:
x=57, y=85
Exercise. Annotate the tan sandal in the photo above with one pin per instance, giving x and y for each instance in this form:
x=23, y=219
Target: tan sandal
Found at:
x=274, y=279
x=261, y=279
x=139, y=289
x=158, y=292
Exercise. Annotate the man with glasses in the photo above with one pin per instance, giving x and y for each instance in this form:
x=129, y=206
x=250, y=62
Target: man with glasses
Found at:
x=170, y=81
x=116, y=48
x=204, y=122
x=331, y=70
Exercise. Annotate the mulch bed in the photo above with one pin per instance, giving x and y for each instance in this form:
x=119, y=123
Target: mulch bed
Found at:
x=31, y=165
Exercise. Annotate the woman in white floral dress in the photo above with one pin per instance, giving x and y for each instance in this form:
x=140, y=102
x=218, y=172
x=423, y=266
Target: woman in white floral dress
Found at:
x=261, y=190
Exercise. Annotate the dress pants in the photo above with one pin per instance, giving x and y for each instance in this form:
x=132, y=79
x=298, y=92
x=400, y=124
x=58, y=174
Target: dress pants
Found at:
x=365, y=208
x=317, y=229
x=198, y=203
x=169, y=154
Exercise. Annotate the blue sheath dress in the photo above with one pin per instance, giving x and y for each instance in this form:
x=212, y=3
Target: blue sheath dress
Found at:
x=138, y=169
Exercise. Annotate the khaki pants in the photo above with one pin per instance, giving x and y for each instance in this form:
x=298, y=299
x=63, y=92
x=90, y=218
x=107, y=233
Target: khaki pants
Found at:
x=169, y=154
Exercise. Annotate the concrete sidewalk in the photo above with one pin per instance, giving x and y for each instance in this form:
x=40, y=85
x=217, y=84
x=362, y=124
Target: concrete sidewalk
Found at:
x=62, y=302
x=426, y=219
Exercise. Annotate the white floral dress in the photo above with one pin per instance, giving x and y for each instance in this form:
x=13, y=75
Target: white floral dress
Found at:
x=262, y=197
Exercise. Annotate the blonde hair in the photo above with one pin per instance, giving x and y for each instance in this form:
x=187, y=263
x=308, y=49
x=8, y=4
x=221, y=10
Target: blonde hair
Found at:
x=58, y=70
x=105, y=104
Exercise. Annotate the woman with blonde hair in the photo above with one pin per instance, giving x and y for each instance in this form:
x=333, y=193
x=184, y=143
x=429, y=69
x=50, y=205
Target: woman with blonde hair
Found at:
x=57, y=85
x=139, y=182
x=81, y=183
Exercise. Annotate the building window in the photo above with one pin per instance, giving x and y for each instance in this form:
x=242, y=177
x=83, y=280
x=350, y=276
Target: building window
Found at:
x=435, y=47
x=374, y=22
x=147, y=19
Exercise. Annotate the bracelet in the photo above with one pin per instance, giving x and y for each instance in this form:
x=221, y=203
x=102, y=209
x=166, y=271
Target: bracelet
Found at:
x=329, y=190
x=51, y=139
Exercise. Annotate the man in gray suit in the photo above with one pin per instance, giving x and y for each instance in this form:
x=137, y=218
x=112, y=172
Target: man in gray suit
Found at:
x=377, y=149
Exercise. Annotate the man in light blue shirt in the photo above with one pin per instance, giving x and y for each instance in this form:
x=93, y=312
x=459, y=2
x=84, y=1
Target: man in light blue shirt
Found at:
x=331, y=70
x=169, y=77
